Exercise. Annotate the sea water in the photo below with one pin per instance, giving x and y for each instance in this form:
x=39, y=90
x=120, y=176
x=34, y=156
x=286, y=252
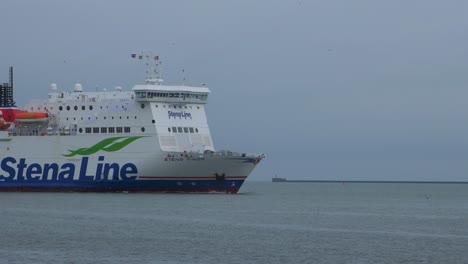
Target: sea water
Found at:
x=265, y=223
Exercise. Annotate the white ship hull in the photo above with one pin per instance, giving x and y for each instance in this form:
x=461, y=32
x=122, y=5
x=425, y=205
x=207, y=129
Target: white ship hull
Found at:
x=45, y=163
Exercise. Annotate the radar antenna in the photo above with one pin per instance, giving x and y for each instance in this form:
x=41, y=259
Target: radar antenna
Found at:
x=153, y=65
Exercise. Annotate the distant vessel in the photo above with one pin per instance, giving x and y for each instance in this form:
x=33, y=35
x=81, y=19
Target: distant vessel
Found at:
x=278, y=179
x=152, y=138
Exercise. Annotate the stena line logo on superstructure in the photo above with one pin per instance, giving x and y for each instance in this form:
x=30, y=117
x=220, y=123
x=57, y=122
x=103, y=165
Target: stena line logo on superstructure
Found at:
x=180, y=115
x=12, y=169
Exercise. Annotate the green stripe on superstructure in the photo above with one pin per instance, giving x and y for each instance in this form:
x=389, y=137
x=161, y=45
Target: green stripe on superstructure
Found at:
x=108, y=145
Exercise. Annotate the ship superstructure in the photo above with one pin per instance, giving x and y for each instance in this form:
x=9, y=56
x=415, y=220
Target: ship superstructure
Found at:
x=152, y=138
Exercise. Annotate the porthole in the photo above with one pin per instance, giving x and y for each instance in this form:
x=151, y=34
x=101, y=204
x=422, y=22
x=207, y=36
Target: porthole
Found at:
x=196, y=130
x=142, y=106
x=142, y=129
x=68, y=108
x=83, y=107
x=104, y=117
x=90, y=107
x=60, y=108
x=198, y=107
x=80, y=130
x=76, y=107
x=169, y=129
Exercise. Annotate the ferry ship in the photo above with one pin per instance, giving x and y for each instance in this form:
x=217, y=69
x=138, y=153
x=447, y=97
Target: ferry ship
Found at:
x=154, y=138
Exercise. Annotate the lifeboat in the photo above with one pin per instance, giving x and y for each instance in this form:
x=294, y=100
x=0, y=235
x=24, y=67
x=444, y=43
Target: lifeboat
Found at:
x=30, y=117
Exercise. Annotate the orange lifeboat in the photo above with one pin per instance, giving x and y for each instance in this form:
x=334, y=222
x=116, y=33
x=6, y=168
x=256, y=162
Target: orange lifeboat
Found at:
x=30, y=117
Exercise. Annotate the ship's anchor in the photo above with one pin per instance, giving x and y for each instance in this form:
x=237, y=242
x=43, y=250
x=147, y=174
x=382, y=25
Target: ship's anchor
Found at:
x=220, y=177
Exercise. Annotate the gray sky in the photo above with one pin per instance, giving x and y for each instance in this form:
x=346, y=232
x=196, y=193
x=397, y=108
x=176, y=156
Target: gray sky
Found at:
x=331, y=90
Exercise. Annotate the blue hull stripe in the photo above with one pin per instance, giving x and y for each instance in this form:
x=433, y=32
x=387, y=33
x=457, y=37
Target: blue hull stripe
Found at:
x=229, y=186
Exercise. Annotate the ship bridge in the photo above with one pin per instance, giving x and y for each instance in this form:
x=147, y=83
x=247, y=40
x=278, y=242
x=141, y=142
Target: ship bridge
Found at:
x=171, y=94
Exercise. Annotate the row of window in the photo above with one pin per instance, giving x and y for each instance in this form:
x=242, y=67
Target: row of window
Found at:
x=91, y=107
x=175, y=106
x=96, y=118
x=182, y=130
x=202, y=97
x=69, y=108
x=104, y=130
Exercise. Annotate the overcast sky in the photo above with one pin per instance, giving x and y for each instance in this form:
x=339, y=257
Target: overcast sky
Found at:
x=329, y=90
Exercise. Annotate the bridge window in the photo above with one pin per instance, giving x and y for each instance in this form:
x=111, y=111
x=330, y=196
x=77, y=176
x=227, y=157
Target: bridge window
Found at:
x=140, y=94
x=127, y=129
x=119, y=130
x=186, y=130
x=111, y=129
x=191, y=129
x=174, y=129
x=88, y=130
x=179, y=129
x=96, y=130
x=103, y=130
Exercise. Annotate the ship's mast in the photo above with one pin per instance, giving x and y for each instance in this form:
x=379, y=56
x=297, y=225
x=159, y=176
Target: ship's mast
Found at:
x=153, y=65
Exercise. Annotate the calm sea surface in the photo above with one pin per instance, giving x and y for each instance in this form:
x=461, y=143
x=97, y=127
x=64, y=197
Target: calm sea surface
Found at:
x=266, y=223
